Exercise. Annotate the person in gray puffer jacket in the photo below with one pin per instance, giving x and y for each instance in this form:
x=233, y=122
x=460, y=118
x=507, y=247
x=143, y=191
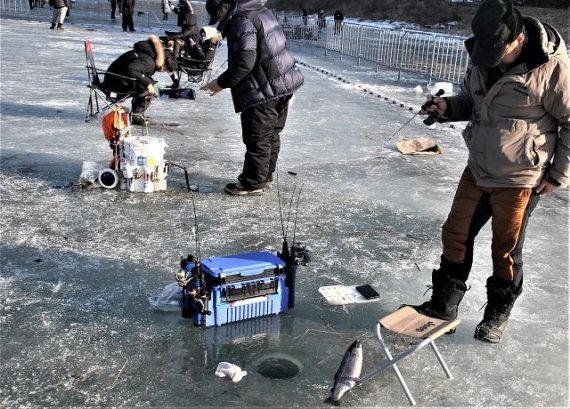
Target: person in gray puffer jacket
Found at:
x=60, y=8
x=262, y=76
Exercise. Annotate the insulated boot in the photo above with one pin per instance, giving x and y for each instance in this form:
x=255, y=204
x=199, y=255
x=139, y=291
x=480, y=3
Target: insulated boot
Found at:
x=52, y=27
x=501, y=296
x=447, y=293
x=60, y=26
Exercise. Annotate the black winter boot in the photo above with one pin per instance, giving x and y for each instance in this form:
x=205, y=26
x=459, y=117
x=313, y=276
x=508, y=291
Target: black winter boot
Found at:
x=446, y=295
x=52, y=27
x=60, y=26
x=501, y=296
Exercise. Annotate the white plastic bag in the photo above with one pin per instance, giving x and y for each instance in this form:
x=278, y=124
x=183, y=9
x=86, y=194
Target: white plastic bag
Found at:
x=232, y=371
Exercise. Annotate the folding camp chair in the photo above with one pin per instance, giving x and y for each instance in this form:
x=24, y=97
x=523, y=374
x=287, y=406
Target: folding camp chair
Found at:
x=97, y=91
x=195, y=71
x=408, y=322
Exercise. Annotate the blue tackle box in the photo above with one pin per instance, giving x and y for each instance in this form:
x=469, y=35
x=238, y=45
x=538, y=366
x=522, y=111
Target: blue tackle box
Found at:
x=245, y=286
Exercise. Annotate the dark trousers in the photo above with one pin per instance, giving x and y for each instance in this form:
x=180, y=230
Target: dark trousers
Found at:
x=140, y=103
x=261, y=126
x=113, y=8
x=128, y=21
x=473, y=206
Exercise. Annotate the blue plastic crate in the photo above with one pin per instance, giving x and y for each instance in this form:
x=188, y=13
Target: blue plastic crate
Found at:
x=245, y=286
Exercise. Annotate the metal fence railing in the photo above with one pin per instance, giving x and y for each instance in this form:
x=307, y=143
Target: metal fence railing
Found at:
x=437, y=56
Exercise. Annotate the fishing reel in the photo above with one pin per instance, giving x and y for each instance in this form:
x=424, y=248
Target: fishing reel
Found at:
x=194, y=292
x=301, y=253
x=433, y=116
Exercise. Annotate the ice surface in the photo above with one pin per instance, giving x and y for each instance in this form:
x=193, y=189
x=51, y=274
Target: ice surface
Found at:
x=78, y=266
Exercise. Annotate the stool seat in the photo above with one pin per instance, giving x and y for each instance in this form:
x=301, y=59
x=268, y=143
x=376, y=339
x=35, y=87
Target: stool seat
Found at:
x=409, y=322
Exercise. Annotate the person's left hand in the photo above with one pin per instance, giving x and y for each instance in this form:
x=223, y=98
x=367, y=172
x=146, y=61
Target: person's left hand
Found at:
x=545, y=188
x=212, y=87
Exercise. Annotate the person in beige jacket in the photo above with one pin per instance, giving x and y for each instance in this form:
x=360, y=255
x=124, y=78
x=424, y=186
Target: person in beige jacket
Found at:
x=516, y=97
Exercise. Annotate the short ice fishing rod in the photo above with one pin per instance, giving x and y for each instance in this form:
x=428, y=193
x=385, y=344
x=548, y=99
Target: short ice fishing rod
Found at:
x=430, y=120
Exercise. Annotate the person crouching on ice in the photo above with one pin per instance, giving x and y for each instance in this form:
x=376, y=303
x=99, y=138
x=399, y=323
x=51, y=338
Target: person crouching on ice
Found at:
x=140, y=63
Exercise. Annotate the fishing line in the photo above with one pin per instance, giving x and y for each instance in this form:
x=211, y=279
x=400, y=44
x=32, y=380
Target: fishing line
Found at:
x=280, y=209
x=291, y=203
x=195, y=227
x=296, y=213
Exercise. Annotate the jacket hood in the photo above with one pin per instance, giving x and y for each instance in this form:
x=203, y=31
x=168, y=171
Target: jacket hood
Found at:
x=249, y=5
x=544, y=42
x=153, y=48
x=240, y=6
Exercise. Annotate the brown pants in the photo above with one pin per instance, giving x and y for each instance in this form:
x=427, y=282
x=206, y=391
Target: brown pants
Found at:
x=473, y=206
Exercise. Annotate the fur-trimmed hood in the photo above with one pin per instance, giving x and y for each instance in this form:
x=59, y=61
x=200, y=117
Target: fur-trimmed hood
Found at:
x=152, y=47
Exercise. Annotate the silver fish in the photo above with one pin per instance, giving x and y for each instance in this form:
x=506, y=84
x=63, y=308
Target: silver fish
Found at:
x=347, y=374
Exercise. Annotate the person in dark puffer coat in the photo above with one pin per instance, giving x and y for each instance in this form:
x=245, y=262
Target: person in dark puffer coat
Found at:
x=128, y=10
x=262, y=76
x=140, y=63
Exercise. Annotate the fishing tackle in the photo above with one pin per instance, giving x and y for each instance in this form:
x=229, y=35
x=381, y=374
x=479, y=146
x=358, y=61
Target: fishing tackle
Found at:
x=430, y=120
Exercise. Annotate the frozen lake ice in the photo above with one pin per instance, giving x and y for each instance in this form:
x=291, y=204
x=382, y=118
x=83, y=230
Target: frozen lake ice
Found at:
x=78, y=266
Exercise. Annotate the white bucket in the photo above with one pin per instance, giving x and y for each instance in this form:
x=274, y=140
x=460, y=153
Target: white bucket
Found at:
x=142, y=164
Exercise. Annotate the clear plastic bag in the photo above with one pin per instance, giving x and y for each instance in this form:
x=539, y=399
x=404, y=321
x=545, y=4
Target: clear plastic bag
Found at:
x=89, y=172
x=168, y=299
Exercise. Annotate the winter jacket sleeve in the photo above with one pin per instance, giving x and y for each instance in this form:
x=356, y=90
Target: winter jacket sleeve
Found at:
x=244, y=49
x=557, y=104
x=460, y=106
x=138, y=69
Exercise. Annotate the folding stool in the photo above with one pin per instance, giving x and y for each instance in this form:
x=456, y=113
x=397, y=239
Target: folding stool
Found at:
x=408, y=322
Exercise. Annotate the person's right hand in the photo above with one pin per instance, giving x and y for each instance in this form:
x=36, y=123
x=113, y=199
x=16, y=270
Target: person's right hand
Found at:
x=151, y=90
x=437, y=105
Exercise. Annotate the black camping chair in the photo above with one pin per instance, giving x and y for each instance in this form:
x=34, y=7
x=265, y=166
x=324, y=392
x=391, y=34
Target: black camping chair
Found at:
x=97, y=91
x=190, y=70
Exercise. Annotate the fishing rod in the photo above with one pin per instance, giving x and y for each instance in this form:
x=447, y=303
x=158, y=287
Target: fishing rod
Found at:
x=194, y=293
x=297, y=250
x=430, y=120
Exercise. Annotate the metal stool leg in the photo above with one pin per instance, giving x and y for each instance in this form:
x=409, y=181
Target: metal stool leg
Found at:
x=394, y=366
x=440, y=359
x=392, y=363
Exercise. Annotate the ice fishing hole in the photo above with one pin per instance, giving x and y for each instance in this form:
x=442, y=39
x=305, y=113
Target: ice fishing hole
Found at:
x=279, y=366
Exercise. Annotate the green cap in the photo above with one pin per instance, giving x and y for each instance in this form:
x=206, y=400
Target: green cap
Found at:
x=496, y=24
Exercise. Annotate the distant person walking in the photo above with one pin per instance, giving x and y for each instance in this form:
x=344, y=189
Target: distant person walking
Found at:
x=128, y=10
x=59, y=11
x=321, y=19
x=166, y=9
x=338, y=19
x=186, y=18
x=114, y=8
x=305, y=16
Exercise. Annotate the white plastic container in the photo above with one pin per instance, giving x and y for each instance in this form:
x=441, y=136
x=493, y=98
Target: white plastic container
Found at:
x=143, y=166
